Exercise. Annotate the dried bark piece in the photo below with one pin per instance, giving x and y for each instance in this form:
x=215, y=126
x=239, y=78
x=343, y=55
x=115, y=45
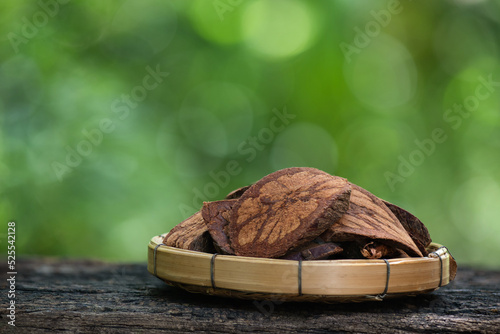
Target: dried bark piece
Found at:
x=237, y=192
x=453, y=268
x=351, y=249
x=369, y=217
x=286, y=209
x=216, y=215
x=415, y=228
x=191, y=234
x=314, y=251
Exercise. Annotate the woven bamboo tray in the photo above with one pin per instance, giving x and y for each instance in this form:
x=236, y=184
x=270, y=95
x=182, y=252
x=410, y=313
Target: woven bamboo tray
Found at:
x=288, y=280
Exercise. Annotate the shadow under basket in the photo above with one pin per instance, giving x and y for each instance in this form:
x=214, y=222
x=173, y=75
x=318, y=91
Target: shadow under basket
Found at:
x=289, y=280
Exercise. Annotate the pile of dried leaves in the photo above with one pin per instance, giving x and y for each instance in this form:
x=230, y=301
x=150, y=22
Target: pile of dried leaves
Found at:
x=302, y=213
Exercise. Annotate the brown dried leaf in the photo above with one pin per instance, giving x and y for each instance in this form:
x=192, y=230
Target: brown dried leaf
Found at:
x=191, y=234
x=216, y=215
x=369, y=217
x=415, y=228
x=286, y=209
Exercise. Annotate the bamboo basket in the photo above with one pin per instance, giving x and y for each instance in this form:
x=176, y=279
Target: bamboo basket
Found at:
x=288, y=280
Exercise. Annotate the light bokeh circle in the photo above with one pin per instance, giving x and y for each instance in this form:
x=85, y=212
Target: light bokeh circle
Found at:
x=149, y=26
x=474, y=209
x=217, y=21
x=216, y=117
x=278, y=28
x=456, y=42
x=383, y=75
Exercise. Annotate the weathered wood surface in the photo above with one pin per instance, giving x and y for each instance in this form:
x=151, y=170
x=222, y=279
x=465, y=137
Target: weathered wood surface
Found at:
x=94, y=297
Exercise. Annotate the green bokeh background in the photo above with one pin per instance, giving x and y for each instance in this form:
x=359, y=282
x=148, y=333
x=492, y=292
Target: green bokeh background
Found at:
x=363, y=81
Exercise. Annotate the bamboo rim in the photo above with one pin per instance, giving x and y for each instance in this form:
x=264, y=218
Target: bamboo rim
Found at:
x=289, y=280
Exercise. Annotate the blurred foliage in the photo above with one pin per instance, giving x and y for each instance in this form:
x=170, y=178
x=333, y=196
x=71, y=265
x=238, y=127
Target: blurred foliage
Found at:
x=97, y=154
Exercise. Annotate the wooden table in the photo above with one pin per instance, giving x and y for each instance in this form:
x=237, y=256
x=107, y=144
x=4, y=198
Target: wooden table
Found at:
x=97, y=297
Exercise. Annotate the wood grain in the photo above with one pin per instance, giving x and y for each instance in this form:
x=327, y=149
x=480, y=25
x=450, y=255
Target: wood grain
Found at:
x=84, y=296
